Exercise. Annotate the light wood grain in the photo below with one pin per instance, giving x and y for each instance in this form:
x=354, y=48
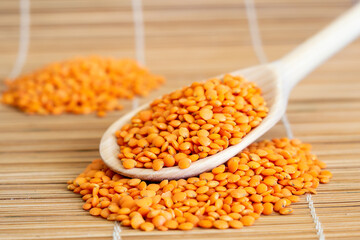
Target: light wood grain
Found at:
x=186, y=41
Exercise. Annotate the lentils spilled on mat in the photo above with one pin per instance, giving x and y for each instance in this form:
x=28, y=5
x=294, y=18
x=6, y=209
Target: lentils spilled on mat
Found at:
x=80, y=86
x=191, y=123
x=264, y=178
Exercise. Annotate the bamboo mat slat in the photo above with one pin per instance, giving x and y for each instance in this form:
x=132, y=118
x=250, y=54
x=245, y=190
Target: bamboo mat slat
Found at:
x=186, y=41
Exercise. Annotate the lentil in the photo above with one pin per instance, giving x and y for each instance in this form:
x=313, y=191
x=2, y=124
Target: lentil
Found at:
x=210, y=200
x=221, y=224
x=236, y=224
x=247, y=220
x=147, y=226
x=186, y=226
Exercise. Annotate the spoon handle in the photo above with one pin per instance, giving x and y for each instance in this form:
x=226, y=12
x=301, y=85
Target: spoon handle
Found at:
x=302, y=60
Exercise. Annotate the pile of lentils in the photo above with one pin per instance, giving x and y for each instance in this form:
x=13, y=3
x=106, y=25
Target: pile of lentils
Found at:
x=80, y=86
x=266, y=177
x=192, y=123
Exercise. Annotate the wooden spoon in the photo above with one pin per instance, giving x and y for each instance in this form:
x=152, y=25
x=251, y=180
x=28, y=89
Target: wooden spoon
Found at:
x=276, y=81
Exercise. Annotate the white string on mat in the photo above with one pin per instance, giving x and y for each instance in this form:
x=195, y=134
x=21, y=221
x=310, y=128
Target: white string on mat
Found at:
x=24, y=35
x=117, y=231
x=257, y=45
x=318, y=227
x=139, y=38
x=260, y=53
x=255, y=36
x=139, y=31
x=135, y=103
x=140, y=57
x=287, y=126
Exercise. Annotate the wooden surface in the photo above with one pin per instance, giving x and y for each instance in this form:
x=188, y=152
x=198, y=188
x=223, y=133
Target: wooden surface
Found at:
x=185, y=41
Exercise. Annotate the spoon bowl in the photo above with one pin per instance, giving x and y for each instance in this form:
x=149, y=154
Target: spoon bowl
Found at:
x=275, y=80
x=263, y=76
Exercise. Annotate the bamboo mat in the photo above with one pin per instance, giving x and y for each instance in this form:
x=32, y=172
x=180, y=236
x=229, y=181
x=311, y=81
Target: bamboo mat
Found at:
x=185, y=41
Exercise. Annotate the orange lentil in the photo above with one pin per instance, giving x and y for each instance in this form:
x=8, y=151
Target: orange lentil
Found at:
x=95, y=211
x=179, y=196
x=236, y=224
x=169, y=161
x=294, y=198
x=171, y=224
x=121, y=217
x=258, y=207
x=247, y=220
x=113, y=208
x=147, y=193
x=144, y=202
x=153, y=213
x=221, y=224
x=147, y=226
x=186, y=226
x=235, y=216
x=204, y=141
x=225, y=197
x=279, y=204
x=80, y=86
x=126, y=222
x=134, y=182
x=159, y=220
x=157, y=164
x=162, y=228
x=136, y=221
x=86, y=206
x=268, y=208
x=129, y=163
x=256, y=198
x=238, y=193
x=192, y=121
x=192, y=219
x=112, y=217
x=261, y=188
x=284, y=211
x=153, y=187
x=184, y=163
x=205, y=223
x=124, y=211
